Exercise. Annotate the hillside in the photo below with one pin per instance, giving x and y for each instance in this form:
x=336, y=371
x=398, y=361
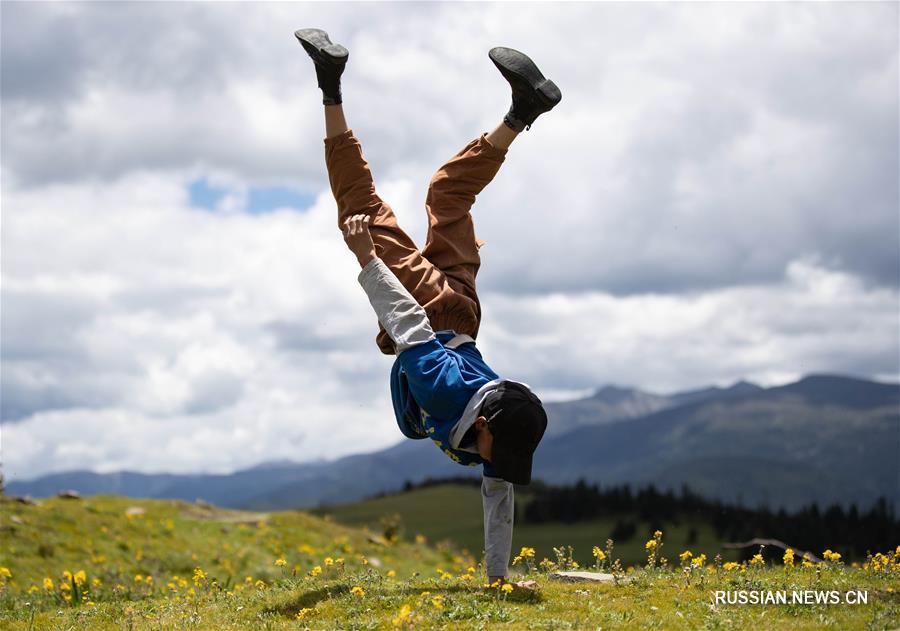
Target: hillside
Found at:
x=113, y=563
x=453, y=512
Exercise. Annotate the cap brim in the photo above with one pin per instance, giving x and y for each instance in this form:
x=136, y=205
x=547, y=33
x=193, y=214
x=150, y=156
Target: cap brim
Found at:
x=511, y=466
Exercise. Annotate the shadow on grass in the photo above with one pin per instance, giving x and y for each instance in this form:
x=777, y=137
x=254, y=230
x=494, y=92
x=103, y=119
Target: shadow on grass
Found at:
x=310, y=599
x=523, y=596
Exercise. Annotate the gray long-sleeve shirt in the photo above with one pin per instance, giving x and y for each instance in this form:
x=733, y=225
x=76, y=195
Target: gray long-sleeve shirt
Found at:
x=406, y=323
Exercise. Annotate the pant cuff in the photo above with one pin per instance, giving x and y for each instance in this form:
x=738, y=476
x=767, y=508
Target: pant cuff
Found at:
x=341, y=139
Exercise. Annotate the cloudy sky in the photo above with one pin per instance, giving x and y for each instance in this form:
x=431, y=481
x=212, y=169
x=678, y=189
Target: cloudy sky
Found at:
x=715, y=198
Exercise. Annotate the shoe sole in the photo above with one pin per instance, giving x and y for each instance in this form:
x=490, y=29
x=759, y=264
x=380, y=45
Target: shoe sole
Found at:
x=317, y=44
x=513, y=64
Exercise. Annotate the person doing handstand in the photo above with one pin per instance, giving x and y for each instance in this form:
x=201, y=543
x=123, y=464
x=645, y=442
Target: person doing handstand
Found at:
x=426, y=303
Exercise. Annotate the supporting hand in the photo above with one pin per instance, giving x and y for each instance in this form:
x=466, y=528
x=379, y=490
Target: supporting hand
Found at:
x=359, y=239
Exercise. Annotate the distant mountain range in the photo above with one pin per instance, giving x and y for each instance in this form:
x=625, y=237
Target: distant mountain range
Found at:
x=825, y=438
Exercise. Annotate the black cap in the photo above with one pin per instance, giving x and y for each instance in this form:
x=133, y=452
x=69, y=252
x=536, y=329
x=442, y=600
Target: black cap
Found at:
x=517, y=420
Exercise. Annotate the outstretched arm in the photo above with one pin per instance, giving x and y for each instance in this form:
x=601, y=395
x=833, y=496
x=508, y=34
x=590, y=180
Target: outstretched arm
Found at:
x=499, y=508
x=498, y=504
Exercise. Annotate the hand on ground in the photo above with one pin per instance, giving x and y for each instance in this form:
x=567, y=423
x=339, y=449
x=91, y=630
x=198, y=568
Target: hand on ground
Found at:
x=359, y=239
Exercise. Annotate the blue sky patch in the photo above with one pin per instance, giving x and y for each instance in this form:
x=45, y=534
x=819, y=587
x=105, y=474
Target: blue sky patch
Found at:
x=262, y=199
x=205, y=196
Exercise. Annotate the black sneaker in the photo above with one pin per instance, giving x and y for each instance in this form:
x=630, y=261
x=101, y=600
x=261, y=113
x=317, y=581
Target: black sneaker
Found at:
x=330, y=60
x=532, y=93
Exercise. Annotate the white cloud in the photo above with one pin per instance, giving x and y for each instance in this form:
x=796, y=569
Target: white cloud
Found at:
x=715, y=198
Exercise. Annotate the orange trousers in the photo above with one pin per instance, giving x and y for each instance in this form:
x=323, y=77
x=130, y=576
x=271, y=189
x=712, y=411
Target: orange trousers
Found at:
x=441, y=277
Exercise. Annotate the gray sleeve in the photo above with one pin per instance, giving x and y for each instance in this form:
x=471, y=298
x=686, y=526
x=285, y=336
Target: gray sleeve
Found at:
x=497, y=500
x=402, y=317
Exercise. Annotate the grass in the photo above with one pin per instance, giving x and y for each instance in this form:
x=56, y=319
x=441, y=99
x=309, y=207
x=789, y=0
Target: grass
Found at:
x=119, y=563
x=452, y=512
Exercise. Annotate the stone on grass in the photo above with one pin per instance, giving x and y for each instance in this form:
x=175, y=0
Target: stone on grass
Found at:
x=589, y=577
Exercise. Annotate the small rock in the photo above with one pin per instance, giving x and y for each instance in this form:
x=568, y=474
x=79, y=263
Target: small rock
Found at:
x=578, y=577
x=582, y=592
x=69, y=495
x=133, y=511
x=25, y=499
x=374, y=561
x=16, y=520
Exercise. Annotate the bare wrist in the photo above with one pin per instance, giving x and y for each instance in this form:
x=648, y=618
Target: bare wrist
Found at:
x=366, y=258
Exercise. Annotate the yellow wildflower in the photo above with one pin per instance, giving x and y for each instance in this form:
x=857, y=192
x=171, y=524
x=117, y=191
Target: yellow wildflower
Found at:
x=421, y=539
x=731, y=565
x=199, y=575
x=95, y=582
x=507, y=588
x=526, y=553
x=329, y=561
x=403, y=616
x=5, y=573
x=48, y=583
x=67, y=576
x=699, y=561
x=598, y=553
x=315, y=571
x=280, y=562
x=138, y=578
x=831, y=556
x=657, y=534
x=684, y=556
x=757, y=560
x=260, y=584
x=650, y=545
x=357, y=591
x=789, y=557
x=304, y=612
x=437, y=602
x=391, y=573
x=33, y=589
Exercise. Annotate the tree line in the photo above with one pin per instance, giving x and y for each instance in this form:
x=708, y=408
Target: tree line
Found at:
x=852, y=532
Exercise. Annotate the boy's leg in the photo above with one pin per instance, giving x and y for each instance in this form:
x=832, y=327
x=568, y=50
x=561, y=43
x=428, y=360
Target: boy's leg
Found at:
x=354, y=191
x=451, y=244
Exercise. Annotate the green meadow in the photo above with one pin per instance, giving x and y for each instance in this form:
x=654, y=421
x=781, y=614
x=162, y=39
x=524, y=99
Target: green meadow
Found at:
x=451, y=513
x=121, y=563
